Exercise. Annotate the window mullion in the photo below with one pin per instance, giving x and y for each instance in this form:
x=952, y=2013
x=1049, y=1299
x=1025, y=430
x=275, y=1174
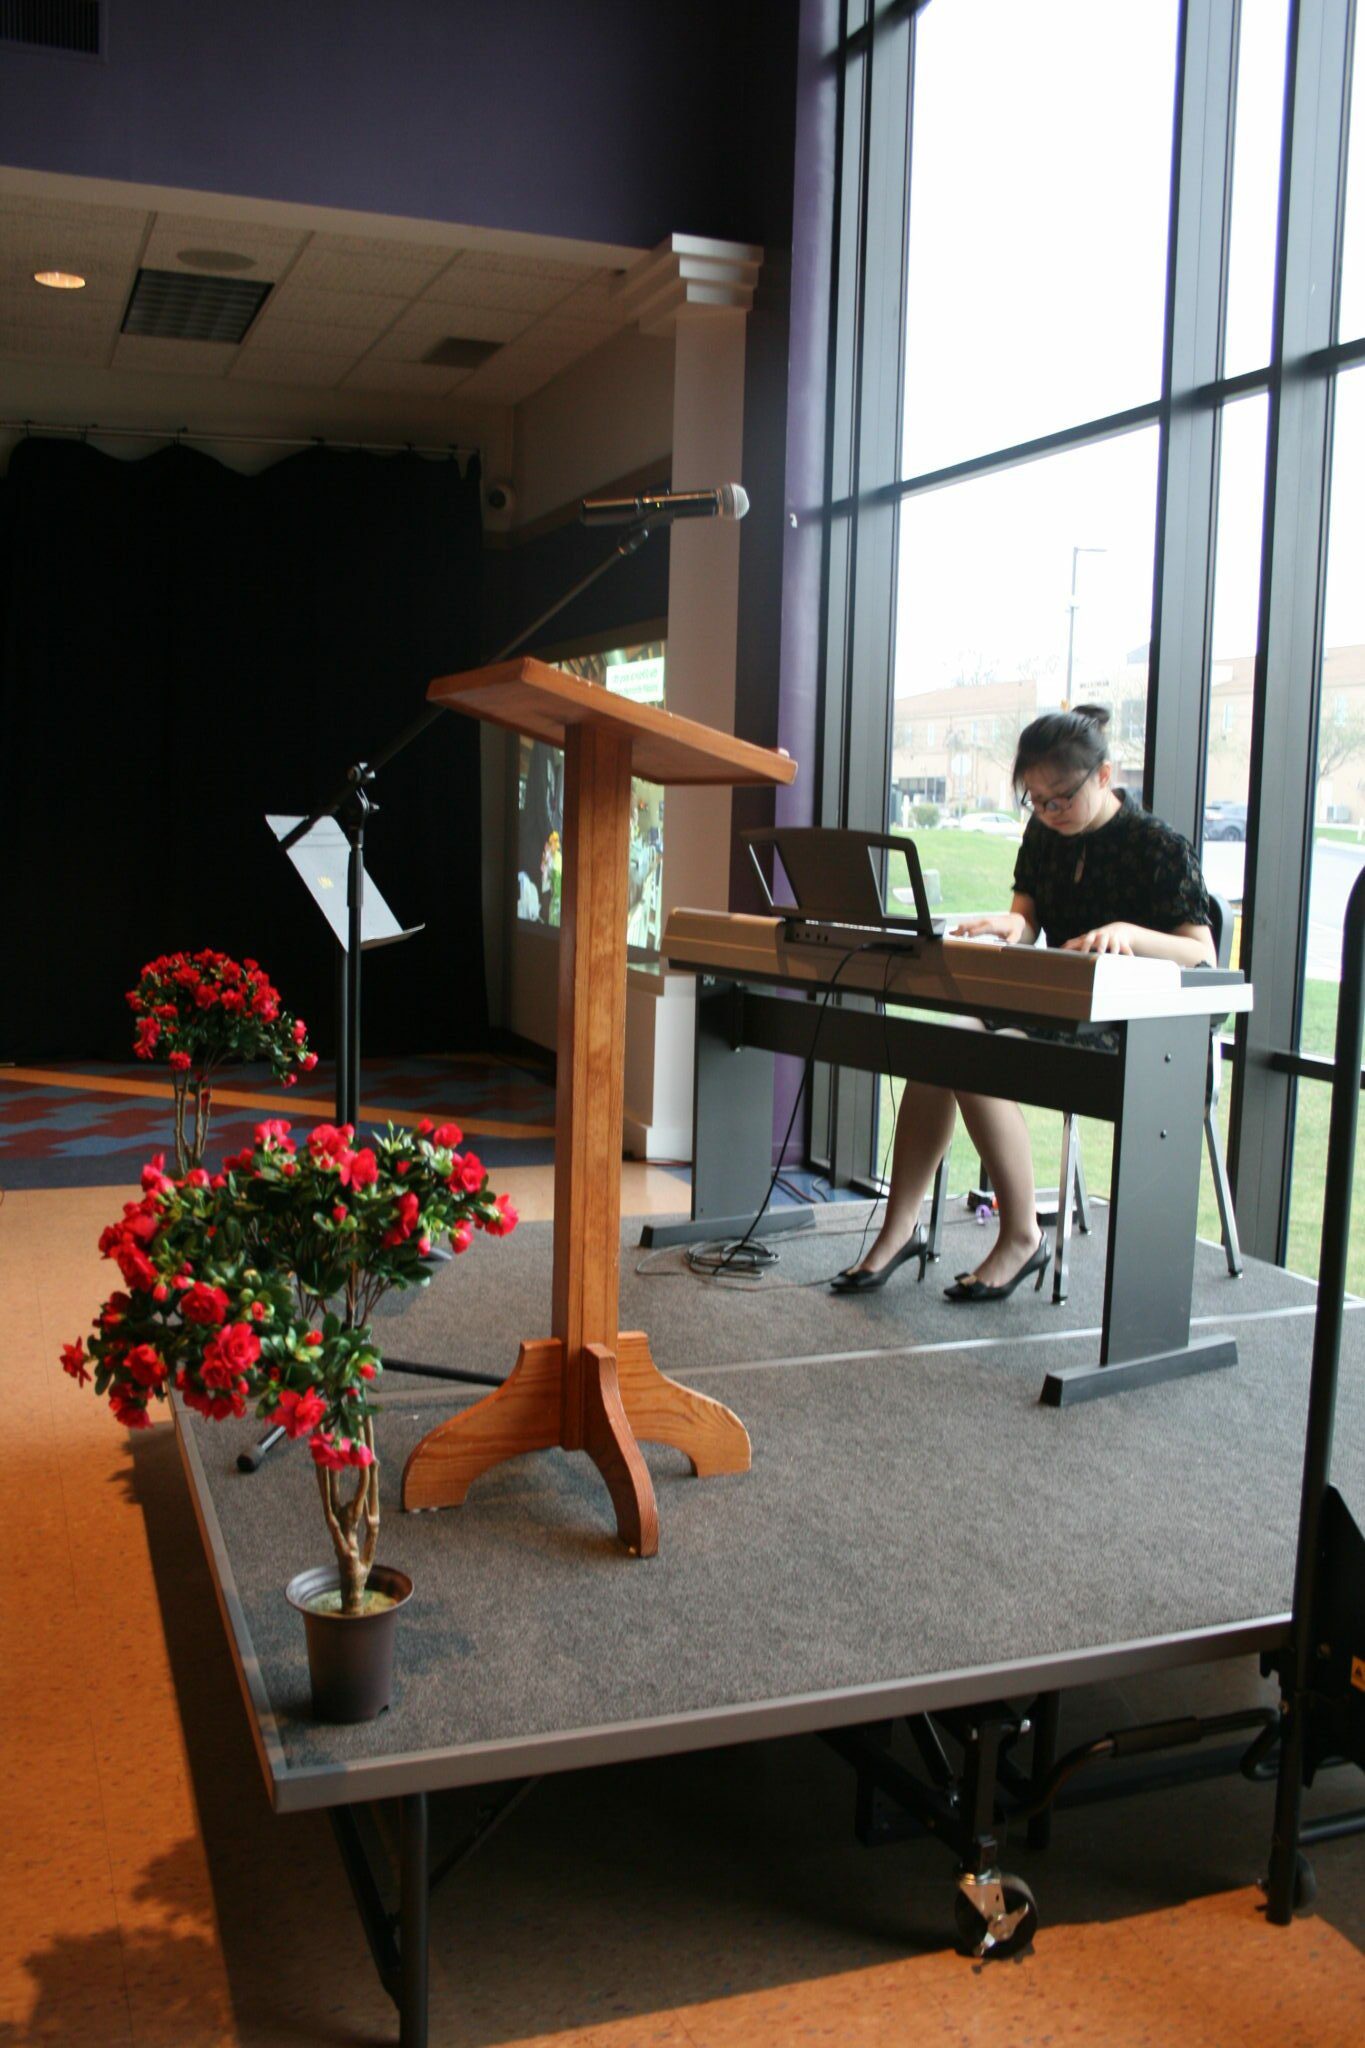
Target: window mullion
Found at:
x=1280, y=805
x=1177, y=704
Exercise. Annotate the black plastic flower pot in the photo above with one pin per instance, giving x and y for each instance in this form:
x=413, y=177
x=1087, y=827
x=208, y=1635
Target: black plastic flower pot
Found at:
x=350, y=1656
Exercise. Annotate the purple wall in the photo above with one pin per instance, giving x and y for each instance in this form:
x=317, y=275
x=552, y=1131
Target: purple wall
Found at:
x=613, y=121
x=812, y=257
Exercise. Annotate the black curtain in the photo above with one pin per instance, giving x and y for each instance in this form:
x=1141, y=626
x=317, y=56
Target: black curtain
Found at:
x=183, y=649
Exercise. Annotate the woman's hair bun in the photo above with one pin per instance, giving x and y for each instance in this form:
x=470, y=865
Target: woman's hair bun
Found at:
x=1097, y=714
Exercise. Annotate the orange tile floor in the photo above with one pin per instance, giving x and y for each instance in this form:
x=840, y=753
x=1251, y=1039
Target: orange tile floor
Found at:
x=151, y=1898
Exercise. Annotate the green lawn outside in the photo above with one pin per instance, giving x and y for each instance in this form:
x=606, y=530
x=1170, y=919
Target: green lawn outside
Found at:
x=1318, y=1029
x=975, y=871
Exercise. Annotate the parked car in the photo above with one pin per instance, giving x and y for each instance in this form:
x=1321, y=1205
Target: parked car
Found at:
x=1225, y=821
x=1001, y=824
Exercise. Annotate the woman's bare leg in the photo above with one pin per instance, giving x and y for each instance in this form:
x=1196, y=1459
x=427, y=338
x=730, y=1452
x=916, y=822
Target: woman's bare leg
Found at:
x=1000, y=1135
x=924, y=1126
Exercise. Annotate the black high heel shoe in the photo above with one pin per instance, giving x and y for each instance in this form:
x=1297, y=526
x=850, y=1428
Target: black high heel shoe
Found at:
x=858, y=1280
x=965, y=1289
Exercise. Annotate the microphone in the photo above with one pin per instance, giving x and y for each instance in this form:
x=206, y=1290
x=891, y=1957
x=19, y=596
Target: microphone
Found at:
x=727, y=501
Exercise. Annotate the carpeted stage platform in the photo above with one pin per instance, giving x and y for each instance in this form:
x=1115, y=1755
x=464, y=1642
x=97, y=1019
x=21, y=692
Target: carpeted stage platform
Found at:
x=475, y=1314
x=915, y=1531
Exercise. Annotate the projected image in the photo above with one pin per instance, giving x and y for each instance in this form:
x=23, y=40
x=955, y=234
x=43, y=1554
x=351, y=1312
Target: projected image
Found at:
x=635, y=672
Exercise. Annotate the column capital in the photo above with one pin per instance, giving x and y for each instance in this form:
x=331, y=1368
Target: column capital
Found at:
x=688, y=273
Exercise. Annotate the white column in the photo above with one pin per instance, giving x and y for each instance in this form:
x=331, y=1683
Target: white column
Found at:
x=699, y=292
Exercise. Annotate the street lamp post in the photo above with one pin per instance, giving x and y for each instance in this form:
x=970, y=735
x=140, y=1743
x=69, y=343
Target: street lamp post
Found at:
x=1076, y=553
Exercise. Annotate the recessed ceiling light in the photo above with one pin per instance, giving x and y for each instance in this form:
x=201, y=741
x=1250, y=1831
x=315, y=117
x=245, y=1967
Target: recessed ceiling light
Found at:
x=59, y=280
x=214, y=259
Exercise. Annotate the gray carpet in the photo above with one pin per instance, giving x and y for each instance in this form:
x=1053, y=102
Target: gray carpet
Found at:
x=479, y=1306
x=906, y=1514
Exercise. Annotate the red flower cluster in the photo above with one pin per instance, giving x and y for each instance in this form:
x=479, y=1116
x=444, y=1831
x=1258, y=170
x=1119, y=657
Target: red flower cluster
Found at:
x=127, y=1242
x=329, y=1146
x=298, y=1413
x=405, y=1219
x=335, y=1453
x=200, y=1011
x=254, y=1286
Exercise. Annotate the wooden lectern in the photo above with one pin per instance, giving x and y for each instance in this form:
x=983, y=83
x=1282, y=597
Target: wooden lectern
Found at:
x=588, y=1387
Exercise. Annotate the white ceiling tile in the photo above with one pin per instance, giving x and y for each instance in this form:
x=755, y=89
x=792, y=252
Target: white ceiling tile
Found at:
x=177, y=358
x=109, y=224
x=596, y=299
x=382, y=245
x=270, y=330
x=280, y=366
x=17, y=340
x=371, y=312
x=488, y=288
x=423, y=326
x=556, y=330
x=524, y=266
x=271, y=249
x=429, y=379
x=355, y=263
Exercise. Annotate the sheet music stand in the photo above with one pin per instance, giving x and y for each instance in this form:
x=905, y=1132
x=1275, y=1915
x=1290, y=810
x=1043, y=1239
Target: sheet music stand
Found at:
x=589, y=1386
x=330, y=858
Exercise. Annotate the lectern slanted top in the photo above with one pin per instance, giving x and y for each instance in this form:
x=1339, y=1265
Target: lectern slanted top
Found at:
x=587, y=1386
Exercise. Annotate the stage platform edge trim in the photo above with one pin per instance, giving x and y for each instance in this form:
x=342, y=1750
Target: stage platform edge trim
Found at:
x=314, y=1787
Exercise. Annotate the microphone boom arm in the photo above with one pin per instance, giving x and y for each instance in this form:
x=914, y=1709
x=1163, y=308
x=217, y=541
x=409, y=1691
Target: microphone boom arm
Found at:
x=363, y=772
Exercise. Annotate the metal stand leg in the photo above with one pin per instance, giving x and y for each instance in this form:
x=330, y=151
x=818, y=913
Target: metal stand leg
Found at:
x=413, y=1922
x=1082, y=1194
x=938, y=1204
x=1048, y=1709
x=980, y=1754
x=1066, y=1201
x=1218, y=1165
x=397, y=1941
x=1154, y=1198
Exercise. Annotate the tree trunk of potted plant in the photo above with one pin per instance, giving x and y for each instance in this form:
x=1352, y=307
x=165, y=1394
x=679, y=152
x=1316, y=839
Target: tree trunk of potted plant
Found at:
x=353, y=1524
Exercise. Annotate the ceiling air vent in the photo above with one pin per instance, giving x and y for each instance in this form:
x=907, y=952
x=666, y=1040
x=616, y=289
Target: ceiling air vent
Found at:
x=72, y=25
x=455, y=353
x=176, y=306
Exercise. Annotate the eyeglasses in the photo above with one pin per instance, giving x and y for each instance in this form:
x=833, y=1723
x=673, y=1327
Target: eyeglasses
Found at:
x=1052, y=806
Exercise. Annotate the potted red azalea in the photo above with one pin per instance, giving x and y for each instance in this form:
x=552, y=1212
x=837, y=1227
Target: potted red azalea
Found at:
x=253, y=1289
x=202, y=1011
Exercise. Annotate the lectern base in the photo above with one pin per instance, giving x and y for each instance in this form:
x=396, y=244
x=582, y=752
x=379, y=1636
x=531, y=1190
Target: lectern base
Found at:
x=1070, y=1383
x=607, y=1407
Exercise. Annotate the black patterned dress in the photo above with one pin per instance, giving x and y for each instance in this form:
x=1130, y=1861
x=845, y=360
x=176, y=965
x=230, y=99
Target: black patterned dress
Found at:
x=1135, y=870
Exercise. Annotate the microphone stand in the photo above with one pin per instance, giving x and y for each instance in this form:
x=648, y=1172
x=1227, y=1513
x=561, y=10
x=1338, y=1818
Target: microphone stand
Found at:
x=351, y=805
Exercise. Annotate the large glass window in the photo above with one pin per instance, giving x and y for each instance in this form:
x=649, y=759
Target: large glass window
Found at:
x=1019, y=591
x=1015, y=170
x=1258, y=130
x=1039, y=202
